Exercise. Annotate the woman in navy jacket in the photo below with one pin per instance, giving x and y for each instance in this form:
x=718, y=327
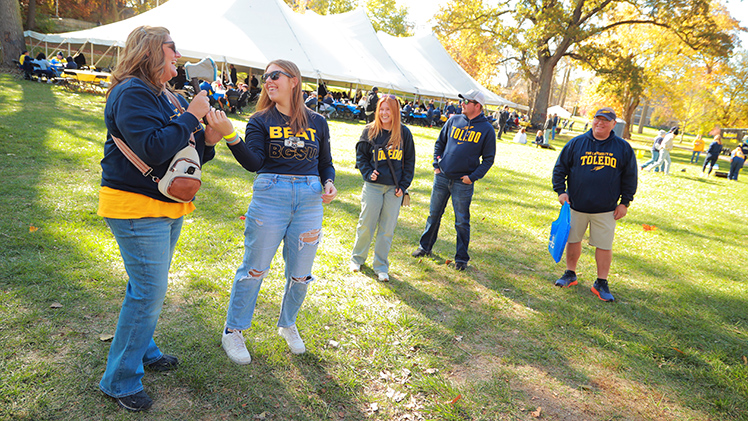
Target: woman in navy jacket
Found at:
x=154, y=124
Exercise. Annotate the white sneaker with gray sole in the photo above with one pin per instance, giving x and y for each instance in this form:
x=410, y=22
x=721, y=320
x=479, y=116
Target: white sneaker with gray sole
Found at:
x=291, y=335
x=236, y=349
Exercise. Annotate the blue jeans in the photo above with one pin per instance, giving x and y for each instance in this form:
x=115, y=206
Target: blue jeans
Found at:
x=379, y=207
x=695, y=157
x=146, y=246
x=284, y=208
x=462, y=195
x=655, y=157
x=662, y=164
x=735, y=166
x=710, y=160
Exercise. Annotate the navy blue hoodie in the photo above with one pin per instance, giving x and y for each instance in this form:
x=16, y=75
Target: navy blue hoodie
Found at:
x=403, y=159
x=465, y=147
x=596, y=173
x=154, y=129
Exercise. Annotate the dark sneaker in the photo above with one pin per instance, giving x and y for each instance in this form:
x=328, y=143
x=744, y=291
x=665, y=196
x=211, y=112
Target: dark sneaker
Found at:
x=460, y=265
x=569, y=278
x=136, y=402
x=165, y=363
x=420, y=253
x=600, y=288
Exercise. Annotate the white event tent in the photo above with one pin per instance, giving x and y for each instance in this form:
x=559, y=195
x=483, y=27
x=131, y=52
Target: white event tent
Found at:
x=250, y=33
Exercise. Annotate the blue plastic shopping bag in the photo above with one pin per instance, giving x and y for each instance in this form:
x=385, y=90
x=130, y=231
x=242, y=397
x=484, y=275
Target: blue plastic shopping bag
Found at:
x=560, y=233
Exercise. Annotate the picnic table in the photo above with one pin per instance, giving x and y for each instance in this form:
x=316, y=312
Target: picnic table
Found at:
x=347, y=111
x=87, y=76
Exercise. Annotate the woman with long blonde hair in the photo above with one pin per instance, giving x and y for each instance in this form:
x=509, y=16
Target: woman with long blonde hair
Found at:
x=386, y=157
x=288, y=146
x=154, y=124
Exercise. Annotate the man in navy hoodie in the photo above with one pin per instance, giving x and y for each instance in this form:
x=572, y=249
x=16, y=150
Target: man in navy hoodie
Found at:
x=596, y=173
x=463, y=154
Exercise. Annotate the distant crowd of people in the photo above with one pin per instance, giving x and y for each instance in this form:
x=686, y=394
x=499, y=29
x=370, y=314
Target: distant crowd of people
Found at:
x=43, y=69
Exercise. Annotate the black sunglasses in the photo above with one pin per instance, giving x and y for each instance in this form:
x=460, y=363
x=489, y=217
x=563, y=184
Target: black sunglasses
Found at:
x=472, y=101
x=171, y=45
x=275, y=74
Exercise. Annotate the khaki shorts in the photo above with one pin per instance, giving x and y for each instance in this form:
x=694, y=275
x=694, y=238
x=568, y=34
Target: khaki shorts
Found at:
x=602, y=227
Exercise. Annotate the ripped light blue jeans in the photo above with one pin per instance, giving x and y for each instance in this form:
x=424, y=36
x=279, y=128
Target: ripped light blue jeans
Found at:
x=284, y=208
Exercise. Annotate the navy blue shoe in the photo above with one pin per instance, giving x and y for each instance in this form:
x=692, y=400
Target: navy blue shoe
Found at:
x=165, y=363
x=136, y=402
x=420, y=253
x=600, y=288
x=569, y=278
x=460, y=265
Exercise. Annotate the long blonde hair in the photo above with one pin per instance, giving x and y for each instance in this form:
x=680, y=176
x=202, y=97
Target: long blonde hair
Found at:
x=299, y=120
x=142, y=57
x=376, y=127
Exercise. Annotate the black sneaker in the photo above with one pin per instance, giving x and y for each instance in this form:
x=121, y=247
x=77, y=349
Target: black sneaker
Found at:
x=136, y=402
x=420, y=253
x=600, y=288
x=165, y=363
x=569, y=278
x=460, y=265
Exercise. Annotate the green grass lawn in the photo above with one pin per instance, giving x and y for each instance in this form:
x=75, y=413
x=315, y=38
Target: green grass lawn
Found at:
x=496, y=342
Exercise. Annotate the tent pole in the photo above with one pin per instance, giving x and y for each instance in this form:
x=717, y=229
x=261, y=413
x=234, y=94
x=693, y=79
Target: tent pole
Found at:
x=92, y=55
x=103, y=55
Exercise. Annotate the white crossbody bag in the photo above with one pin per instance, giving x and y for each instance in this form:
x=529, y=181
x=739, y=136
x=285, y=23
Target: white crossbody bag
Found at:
x=182, y=179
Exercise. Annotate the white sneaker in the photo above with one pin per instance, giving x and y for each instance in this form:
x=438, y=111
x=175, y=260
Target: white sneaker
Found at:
x=291, y=335
x=354, y=267
x=383, y=277
x=236, y=349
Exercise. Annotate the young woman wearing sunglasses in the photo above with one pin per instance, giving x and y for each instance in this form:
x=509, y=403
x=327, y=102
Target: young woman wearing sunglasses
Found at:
x=288, y=146
x=383, y=140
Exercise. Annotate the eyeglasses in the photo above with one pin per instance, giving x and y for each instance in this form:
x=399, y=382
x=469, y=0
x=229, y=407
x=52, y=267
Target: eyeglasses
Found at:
x=472, y=101
x=171, y=45
x=274, y=75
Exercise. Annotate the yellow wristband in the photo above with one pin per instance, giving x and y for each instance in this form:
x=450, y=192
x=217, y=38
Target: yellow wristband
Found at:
x=231, y=136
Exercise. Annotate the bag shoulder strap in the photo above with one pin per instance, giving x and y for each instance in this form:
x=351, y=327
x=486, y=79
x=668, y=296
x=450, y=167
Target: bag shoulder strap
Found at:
x=389, y=164
x=144, y=168
x=131, y=156
x=175, y=101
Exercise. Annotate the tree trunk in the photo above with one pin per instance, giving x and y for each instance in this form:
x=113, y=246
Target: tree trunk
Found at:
x=31, y=16
x=628, y=115
x=565, y=85
x=542, y=95
x=11, y=31
x=645, y=109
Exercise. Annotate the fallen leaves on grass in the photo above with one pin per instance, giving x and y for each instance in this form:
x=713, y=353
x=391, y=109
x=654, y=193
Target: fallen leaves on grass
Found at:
x=431, y=371
x=649, y=227
x=745, y=360
x=395, y=395
x=536, y=413
x=55, y=305
x=374, y=407
x=106, y=337
x=446, y=262
x=457, y=398
x=33, y=229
